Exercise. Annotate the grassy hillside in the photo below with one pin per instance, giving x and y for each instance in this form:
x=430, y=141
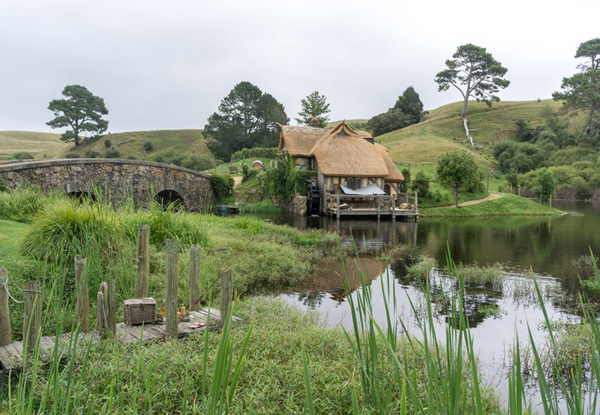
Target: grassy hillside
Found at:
x=37, y=144
x=442, y=129
x=130, y=143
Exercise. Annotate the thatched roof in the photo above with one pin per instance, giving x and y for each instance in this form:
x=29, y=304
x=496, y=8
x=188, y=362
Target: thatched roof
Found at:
x=340, y=152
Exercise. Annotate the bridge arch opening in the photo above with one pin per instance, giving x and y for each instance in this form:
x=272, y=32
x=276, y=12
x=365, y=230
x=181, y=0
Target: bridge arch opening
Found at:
x=170, y=198
x=82, y=196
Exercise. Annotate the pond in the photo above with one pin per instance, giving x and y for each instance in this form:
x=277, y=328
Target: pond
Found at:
x=544, y=246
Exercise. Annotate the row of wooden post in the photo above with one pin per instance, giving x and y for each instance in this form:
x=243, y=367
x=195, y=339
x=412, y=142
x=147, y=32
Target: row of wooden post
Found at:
x=106, y=310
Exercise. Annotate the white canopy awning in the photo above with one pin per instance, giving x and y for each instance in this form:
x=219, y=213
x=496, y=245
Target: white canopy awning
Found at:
x=371, y=189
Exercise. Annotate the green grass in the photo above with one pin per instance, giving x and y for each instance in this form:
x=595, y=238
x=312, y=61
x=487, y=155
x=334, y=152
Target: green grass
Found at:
x=39, y=144
x=187, y=141
x=507, y=205
x=442, y=130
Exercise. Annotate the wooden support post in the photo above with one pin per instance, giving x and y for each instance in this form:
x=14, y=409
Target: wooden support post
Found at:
x=112, y=306
x=83, y=301
x=338, y=206
x=226, y=294
x=5, y=334
x=171, y=290
x=378, y=201
x=102, y=308
x=143, y=262
x=32, y=317
x=195, y=265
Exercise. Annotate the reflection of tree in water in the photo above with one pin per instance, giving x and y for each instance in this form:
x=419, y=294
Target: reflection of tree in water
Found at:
x=311, y=299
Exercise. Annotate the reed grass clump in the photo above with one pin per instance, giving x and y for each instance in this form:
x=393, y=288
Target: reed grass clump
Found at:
x=21, y=204
x=66, y=229
x=474, y=276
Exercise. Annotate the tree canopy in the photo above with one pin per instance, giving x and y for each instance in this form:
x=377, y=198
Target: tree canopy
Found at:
x=410, y=103
x=80, y=110
x=582, y=90
x=246, y=118
x=457, y=169
x=314, y=105
x=476, y=74
x=408, y=110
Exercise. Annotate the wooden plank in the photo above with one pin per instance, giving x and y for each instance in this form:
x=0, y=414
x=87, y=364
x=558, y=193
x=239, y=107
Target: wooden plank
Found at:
x=8, y=360
x=123, y=334
x=112, y=306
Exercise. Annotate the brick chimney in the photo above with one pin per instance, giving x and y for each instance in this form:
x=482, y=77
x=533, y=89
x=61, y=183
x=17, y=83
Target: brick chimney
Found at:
x=314, y=122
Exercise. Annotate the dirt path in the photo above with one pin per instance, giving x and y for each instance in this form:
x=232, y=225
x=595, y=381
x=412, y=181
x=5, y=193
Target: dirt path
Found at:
x=492, y=196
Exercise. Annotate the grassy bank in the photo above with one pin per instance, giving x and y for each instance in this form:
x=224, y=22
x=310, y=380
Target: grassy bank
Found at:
x=505, y=206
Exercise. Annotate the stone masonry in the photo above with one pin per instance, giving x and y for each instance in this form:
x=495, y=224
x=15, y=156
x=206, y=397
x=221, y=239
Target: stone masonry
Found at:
x=143, y=180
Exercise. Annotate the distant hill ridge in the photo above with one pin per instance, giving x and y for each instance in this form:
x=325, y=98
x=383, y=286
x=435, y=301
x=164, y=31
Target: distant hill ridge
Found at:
x=419, y=143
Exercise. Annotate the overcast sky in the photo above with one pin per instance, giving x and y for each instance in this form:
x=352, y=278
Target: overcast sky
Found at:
x=167, y=64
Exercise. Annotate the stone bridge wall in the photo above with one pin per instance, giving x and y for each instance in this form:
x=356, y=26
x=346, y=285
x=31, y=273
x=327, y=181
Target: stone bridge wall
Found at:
x=143, y=180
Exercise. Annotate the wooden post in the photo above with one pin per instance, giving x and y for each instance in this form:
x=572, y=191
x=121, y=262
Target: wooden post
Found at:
x=32, y=317
x=378, y=201
x=143, y=262
x=102, y=307
x=226, y=294
x=171, y=290
x=550, y=199
x=5, y=334
x=338, y=205
x=83, y=301
x=195, y=265
x=112, y=306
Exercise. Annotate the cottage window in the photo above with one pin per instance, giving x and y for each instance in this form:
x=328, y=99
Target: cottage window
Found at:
x=350, y=183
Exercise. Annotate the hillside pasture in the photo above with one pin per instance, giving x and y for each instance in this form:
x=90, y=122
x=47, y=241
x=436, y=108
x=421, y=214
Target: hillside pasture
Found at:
x=12, y=142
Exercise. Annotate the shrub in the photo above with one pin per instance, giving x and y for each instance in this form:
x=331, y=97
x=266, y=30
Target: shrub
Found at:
x=284, y=182
x=196, y=162
x=22, y=155
x=92, y=154
x=107, y=143
x=148, y=146
x=222, y=185
x=421, y=184
x=72, y=155
x=112, y=153
x=256, y=152
x=21, y=204
x=248, y=172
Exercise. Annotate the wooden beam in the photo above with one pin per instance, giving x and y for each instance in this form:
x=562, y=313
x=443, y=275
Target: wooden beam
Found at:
x=171, y=290
x=5, y=334
x=32, y=317
x=195, y=266
x=83, y=301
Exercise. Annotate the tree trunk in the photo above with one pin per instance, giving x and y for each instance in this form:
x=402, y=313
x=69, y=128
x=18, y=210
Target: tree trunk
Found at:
x=467, y=130
x=456, y=196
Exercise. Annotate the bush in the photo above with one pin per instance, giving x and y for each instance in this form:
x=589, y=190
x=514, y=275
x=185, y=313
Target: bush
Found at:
x=196, y=162
x=92, y=154
x=421, y=184
x=22, y=155
x=248, y=172
x=256, y=152
x=284, y=182
x=113, y=153
x=222, y=185
x=21, y=204
x=107, y=143
x=72, y=155
x=148, y=146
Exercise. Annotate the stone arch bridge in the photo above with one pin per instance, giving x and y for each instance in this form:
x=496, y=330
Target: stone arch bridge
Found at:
x=141, y=180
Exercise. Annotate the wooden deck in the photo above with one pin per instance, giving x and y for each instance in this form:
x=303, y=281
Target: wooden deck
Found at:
x=395, y=213
x=371, y=205
x=11, y=356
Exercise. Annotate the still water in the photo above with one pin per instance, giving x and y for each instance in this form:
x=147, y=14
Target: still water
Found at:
x=543, y=246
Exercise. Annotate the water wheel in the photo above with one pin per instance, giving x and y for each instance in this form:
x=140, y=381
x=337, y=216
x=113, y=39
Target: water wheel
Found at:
x=313, y=198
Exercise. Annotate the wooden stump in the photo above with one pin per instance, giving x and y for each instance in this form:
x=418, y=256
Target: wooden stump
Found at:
x=5, y=334
x=143, y=262
x=171, y=290
x=195, y=265
x=226, y=294
x=83, y=301
x=32, y=317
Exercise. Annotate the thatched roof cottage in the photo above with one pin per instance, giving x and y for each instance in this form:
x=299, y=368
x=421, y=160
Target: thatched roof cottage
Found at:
x=347, y=162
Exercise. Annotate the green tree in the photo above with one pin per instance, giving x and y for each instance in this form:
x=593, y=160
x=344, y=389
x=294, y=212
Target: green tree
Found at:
x=80, y=110
x=410, y=103
x=246, y=118
x=457, y=169
x=392, y=120
x=476, y=74
x=545, y=185
x=582, y=90
x=314, y=105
